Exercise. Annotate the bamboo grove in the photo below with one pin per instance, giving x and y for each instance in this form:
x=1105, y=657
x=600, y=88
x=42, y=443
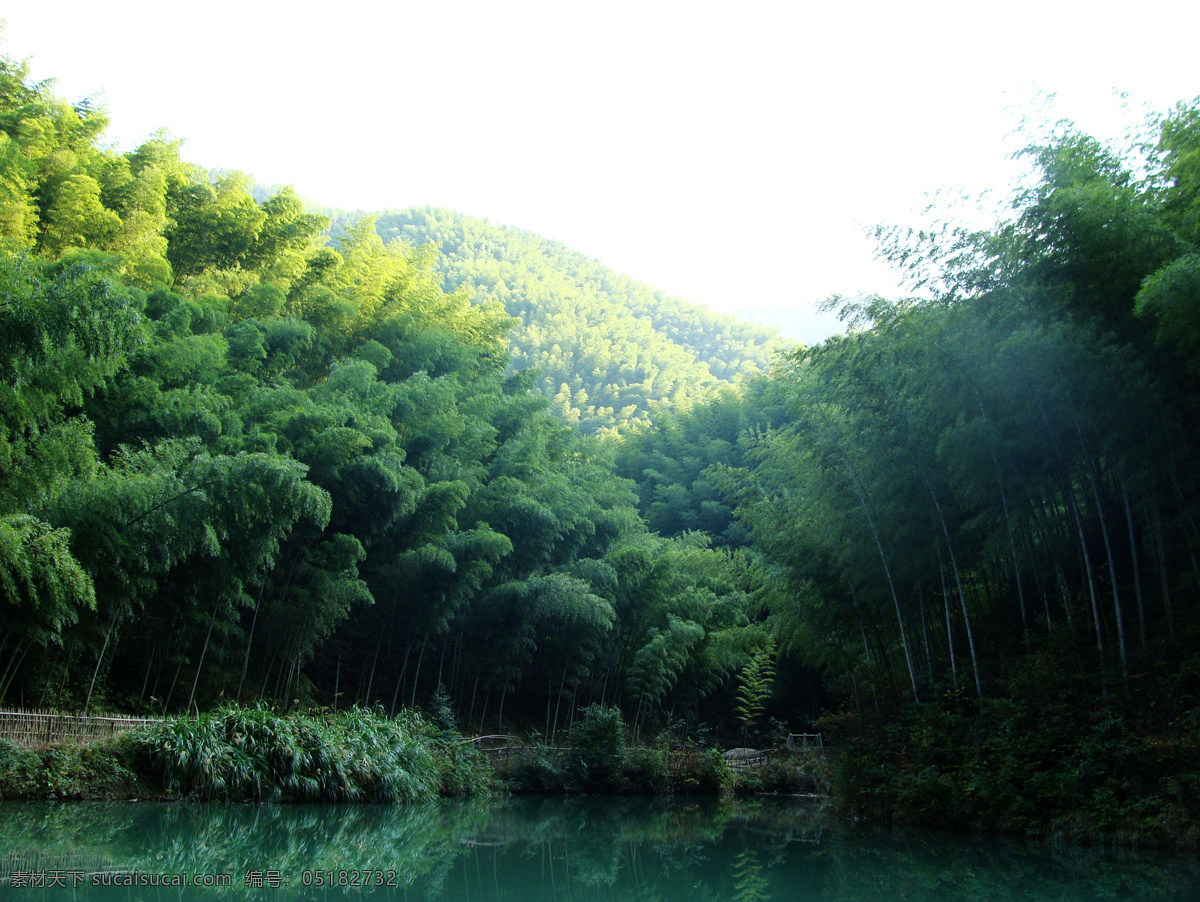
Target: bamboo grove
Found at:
x=976, y=512
x=1006, y=466
x=242, y=461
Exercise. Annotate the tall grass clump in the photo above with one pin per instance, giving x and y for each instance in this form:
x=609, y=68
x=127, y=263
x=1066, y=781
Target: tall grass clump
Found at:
x=237, y=754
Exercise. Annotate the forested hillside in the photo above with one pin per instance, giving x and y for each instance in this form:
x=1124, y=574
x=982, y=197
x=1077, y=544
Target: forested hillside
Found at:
x=610, y=352
x=237, y=462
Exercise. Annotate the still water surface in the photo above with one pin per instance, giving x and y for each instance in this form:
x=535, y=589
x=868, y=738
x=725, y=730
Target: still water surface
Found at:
x=542, y=849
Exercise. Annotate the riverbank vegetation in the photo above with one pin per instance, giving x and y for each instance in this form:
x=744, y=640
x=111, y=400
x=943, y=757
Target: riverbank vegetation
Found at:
x=250, y=454
x=239, y=754
x=236, y=753
x=67, y=771
x=598, y=760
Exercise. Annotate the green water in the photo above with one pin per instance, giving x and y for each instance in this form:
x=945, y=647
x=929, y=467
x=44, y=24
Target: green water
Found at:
x=542, y=849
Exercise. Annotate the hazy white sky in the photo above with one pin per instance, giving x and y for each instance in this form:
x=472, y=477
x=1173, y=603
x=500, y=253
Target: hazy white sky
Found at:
x=731, y=154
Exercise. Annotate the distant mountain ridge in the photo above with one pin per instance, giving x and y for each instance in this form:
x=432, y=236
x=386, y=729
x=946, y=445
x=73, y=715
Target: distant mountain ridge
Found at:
x=610, y=352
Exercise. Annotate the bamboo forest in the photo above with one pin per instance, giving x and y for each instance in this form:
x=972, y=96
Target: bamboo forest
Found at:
x=260, y=458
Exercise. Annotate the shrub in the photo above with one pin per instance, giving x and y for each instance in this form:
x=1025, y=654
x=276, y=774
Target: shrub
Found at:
x=597, y=748
x=65, y=771
x=786, y=774
x=536, y=773
x=695, y=771
x=240, y=753
x=462, y=769
x=17, y=768
x=644, y=771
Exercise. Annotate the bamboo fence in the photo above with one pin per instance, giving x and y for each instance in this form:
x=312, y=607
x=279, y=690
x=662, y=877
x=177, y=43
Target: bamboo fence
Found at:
x=797, y=744
x=805, y=742
x=502, y=748
x=746, y=759
x=33, y=729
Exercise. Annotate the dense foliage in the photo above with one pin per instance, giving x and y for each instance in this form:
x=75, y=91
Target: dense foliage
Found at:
x=977, y=512
x=240, y=754
x=610, y=353
x=241, y=461
x=597, y=760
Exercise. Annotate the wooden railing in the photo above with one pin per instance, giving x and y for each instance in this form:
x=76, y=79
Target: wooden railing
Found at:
x=797, y=744
x=805, y=741
x=746, y=759
x=33, y=729
x=503, y=747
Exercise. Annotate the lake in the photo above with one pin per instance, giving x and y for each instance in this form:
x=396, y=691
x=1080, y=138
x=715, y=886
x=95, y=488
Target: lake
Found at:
x=528, y=849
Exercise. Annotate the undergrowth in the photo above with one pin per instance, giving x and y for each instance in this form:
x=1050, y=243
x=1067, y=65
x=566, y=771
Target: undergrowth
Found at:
x=236, y=753
x=1049, y=758
x=598, y=762
x=66, y=771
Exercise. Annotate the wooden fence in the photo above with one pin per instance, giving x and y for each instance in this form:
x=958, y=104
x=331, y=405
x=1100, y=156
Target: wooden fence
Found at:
x=503, y=748
x=33, y=729
x=805, y=742
x=797, y=744
x=746, y=759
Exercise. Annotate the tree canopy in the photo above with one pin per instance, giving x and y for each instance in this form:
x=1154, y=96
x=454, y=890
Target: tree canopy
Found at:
x=240, y=459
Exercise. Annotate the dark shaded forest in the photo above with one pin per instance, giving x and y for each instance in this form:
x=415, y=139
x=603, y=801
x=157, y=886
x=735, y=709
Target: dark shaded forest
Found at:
x=975, y=512
x=250, y=453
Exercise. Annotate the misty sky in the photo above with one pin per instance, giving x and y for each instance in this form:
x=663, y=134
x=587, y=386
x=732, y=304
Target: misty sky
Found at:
x=733, y=155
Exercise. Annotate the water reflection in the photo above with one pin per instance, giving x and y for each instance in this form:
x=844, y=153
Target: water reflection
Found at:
x=541, y=849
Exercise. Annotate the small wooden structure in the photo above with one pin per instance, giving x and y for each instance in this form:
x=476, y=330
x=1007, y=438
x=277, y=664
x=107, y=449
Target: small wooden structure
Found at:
x=752, y=759
x=33, y=729
x=803, y=742
x=497, y=742
x=746, y=759
x=500, y=747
